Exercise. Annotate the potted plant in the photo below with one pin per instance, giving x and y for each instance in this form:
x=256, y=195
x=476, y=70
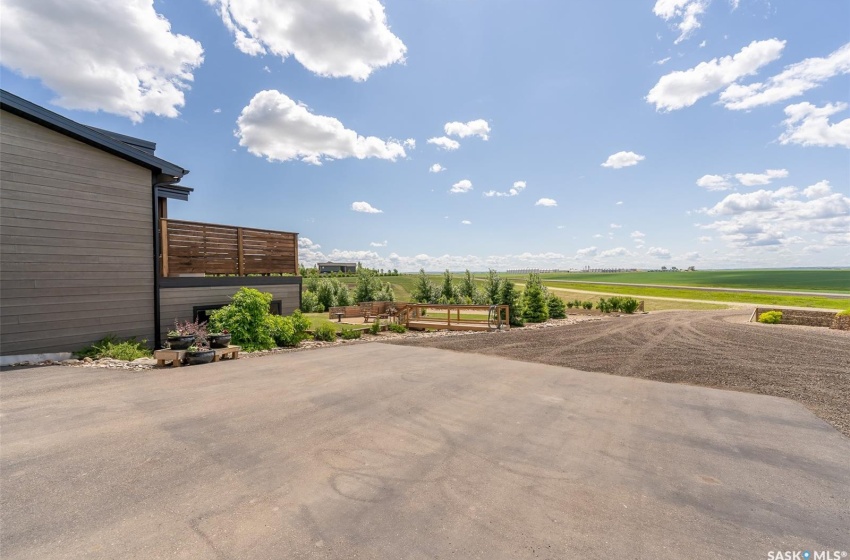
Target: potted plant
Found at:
x=219, y=339
x=197, y=354
x=181, y=336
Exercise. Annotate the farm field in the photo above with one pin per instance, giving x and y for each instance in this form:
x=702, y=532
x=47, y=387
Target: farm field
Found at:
x=831, y=280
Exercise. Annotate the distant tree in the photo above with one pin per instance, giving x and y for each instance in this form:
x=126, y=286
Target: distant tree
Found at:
x=368, y=285
x=509, y=295
x=468, y=289
x=536, y=308
x=493, y=288
x=424, y=291
x=448, y=291
x=664, y=268
x=557, y=307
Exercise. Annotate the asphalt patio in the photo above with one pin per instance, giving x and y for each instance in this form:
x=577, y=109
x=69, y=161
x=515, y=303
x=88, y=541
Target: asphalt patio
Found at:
x=381, y=451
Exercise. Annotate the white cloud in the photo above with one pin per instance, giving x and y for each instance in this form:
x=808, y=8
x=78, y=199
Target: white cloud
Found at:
x=517, y=188
x=809, y=125
x=267, y=70
x=365, y=207
x=793, y=81
x=637, y=234
x=587, y=252
x=436, y=168
x=683, y=88
x=334, y=38
x=410, y=143
x=686, y=11
x=753, y=179
x=703, y=44
x=462, y=186
x=623, y=159
x=478, y=127
x=616, y=252
x=217, y=110
x=818, y=190
x=598, y=236
x=619, y=203
x=466, y=222
x=714, y=182
x=117, y=57
x=615, y=226
x=378, y=243
x=276, y=127
x=662, y=61
x=546, y=202
x=444, y=142
x=658, y=253
x=705, y=239
x=692, y=256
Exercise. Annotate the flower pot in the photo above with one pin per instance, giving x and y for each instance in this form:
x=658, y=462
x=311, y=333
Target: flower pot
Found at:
x=180, y=342
x=200, y=357
x=219, y=340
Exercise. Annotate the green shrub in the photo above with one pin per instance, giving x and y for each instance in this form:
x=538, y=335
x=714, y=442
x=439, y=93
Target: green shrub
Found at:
x=493, y=288
x=347, y=333
x=570, y=304
x=245, y=319
x=511, y=296
x=629, y=305
x=771, y=317
x=535, y=307
x=425, y=291
x=397, y=328
x=110, y=347
x=310, y=302
x=288, y=331
x=843, y=313
x=325, y=332
x=557, y=307
x=587, y=304
x=375, y=327
x=604, y=305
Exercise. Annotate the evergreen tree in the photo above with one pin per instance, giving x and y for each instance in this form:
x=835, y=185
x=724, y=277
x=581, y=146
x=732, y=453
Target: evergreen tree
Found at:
x=509, y=295
x=448, y=292
x=493, y=288
x=557, y=307
x=424, y=291
x=468, y=289
x=536, y=310
x=368, y=285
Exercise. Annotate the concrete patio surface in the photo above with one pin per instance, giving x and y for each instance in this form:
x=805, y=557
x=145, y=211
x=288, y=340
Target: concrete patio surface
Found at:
x=379, y=451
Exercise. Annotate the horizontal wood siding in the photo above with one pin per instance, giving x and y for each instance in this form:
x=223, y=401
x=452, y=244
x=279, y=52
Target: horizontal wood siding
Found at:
x=177, y=303
x=77, y=242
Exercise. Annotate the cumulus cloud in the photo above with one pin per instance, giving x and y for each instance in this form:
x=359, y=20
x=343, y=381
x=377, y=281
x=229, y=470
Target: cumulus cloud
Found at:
x=619, y=203
x=587, y=252
x=714, y=182
x=275, y=127
x=365, y=207
x=780, y=217
x=705, y=239
x=333, y=38
x=753, y=179
x=466, y=222
x=658, y=253
x=684, y=13
x=517, y=188
x=117, y=57
x=410, y=143
x=462, y=186
x=217, y=110
x=809, y=125
x=637, y=234
x=692, y=256
x=683, y=88
x=478, y=127
x=378, y=243
x=662, y=61
x=616, y=252
x=436, y=168
x=623, y=159
x=444, y=142
x=546, y=202
x=793, y=81
x=615, y=226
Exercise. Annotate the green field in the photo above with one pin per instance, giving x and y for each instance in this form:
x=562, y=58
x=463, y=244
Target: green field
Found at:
x=832, y=280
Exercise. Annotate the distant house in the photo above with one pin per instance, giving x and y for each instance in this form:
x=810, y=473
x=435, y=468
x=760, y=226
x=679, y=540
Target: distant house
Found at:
x=87, y=249
x=328, y=267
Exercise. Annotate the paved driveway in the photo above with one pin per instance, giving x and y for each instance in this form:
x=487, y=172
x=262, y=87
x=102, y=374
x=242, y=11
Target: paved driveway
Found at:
x=378, y=451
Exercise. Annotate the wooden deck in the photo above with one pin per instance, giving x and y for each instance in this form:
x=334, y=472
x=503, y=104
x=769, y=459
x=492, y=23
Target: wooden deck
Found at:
x=455, y=317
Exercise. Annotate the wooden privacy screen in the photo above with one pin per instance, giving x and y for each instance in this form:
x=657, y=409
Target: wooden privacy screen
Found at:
x=198, y=248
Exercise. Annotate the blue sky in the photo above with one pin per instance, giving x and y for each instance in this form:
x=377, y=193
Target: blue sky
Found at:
x=712, y=133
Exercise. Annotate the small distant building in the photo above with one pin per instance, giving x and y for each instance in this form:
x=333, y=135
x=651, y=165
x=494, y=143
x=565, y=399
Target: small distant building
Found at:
x=345, y=268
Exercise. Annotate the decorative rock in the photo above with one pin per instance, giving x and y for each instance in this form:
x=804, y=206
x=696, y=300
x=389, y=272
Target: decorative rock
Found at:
x=87, y=360
x=144, y=362
x=70, y=362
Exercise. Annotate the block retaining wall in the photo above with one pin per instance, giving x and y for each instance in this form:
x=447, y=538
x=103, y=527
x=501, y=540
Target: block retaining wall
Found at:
x=799, y=317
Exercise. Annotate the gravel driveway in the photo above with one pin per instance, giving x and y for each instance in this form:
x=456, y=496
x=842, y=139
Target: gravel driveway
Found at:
x=709, y=348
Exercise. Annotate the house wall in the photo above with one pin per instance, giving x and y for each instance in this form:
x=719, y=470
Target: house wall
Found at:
x=77, y=242
x=178, y=302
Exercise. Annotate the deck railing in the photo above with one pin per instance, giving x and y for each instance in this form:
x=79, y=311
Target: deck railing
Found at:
x=193, y=248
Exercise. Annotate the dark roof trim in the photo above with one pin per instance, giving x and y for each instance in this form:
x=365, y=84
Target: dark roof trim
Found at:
x=177, y=192
x=106, y=142
x=337, y=264
x=144, y=145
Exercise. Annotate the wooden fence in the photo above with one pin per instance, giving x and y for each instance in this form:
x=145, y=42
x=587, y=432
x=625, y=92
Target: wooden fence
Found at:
x=213, y=249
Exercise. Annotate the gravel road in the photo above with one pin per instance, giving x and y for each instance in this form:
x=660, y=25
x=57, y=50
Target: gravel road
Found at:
x=709, y=348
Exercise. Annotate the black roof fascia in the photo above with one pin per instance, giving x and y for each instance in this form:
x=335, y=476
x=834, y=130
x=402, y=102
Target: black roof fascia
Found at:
x=177, y=192
x=35, y=113
x=141, y=144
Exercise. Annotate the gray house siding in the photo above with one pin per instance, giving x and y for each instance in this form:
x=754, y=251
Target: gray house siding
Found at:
x=77, y=242
x=178, y=303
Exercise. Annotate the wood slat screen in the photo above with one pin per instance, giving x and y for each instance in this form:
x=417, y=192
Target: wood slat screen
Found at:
x=199, y=248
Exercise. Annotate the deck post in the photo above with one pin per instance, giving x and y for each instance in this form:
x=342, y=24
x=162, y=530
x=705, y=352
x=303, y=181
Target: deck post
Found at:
x=163, y=232
x=240, y=258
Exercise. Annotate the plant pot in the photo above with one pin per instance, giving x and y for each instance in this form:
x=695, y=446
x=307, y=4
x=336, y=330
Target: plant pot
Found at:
x=180, y=342
x=219, y=340
x=201, y=357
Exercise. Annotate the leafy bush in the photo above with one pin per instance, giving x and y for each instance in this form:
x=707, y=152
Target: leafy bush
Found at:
x=110, y=347
x=570, y=304
x=587, y=304
x=375, y=327
x=368, y=285
x=385, y=293
x=245, y=319
x=310, y=302
x=557, y=308
x=771, y=317
x=629, y=305
x=347, y=333
x=397, y=328
x=604, y=305
x=325, y=332
x=535, y=309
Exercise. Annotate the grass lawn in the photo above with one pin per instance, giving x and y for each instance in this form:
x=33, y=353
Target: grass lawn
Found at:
x=317, y=319
x=649, y=304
